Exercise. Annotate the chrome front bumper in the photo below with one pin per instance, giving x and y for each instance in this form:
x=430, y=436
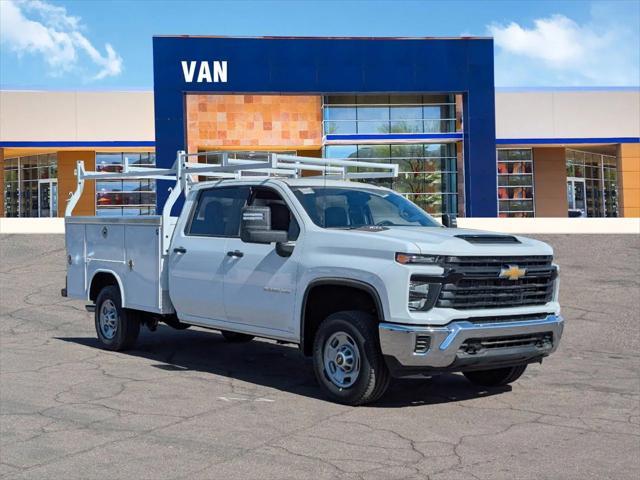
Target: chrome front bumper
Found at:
x=398, y=343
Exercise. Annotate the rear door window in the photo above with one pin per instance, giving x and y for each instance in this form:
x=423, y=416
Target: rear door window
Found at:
x=218, y=211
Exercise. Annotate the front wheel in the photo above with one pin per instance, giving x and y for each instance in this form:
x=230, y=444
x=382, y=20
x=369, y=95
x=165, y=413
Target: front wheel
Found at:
x=347, y=359
x=117, y=327
x=496, y=377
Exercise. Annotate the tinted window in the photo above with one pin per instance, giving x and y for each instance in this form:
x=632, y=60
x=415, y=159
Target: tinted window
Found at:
x=217, y=213
x=358, y=207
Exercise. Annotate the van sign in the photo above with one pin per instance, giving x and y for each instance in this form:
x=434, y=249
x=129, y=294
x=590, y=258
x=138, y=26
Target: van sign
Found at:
x=207, y=72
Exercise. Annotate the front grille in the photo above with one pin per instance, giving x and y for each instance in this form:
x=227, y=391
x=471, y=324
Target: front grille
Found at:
x=481, y=286
x=539, y=340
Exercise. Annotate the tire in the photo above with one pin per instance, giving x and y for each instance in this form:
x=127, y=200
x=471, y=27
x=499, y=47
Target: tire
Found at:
x=235, y=337
x=117, y=328
x=366, y=376
x=496, y=377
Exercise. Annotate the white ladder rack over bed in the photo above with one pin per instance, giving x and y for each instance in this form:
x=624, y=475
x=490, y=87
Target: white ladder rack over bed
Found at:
x=232, y=165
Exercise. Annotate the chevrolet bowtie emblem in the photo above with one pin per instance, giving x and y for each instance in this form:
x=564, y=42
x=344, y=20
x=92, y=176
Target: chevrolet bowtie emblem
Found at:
x=512, y=272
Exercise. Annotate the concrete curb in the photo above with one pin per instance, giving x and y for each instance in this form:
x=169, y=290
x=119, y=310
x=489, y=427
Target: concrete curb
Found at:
x=505, y=225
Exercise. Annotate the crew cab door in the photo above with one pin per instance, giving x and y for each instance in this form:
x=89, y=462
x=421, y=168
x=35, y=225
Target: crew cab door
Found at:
x=260, y=284
x=198, y=254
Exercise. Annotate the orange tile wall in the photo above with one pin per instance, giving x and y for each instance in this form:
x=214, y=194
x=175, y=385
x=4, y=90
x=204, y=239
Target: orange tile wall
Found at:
x=253, y=122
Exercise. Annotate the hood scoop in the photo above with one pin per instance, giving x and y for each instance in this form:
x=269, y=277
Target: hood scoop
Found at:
x=489, y=239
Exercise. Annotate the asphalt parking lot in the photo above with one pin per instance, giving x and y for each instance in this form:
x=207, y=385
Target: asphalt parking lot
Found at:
x=185, y=404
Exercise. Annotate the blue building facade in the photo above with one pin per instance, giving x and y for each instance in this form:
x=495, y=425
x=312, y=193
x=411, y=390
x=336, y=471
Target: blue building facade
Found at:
x=430, y=100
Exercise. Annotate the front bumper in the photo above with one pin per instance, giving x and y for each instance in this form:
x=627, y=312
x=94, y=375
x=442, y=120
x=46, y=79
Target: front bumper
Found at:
x=462, y=345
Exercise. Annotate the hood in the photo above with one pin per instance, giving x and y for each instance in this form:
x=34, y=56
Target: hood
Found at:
x=447, y=241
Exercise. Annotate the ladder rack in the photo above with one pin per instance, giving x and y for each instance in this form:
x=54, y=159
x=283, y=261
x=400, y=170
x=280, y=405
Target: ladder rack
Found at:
x=232, y=165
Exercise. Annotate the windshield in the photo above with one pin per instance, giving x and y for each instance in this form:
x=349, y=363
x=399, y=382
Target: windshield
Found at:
x=346, y=207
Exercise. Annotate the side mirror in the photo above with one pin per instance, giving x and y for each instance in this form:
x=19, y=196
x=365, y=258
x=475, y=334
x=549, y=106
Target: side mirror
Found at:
x=255, y=226
x=449, y=220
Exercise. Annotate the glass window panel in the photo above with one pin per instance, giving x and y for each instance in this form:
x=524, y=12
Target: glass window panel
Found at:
x=444, y=98
x=406, y=113
x=340, y=113
x=341, y=151
x=373, y=113
x=372, y=99
x=340, y=99
x=109, y=162
x=374, y=151
x=407, y=151
x=406, y=126
x=405, y=99
x=340, y=128
x=520, y=180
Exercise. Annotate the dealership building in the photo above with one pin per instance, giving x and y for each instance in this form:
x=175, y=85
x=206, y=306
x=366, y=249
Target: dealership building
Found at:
x=430, y=105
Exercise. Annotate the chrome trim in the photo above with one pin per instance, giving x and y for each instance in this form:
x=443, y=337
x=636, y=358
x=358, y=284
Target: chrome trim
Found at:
x=397, y=340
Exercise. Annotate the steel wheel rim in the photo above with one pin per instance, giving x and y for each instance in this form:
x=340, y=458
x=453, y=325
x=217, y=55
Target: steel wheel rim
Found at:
x=341, y=360
x=108, y=319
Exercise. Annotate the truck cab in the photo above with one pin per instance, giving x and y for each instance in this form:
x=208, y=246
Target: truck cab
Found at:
x=361, y=279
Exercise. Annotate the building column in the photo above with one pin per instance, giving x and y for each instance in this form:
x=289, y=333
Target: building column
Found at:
x=67, y=181
x=550, y=182
x=629, y=179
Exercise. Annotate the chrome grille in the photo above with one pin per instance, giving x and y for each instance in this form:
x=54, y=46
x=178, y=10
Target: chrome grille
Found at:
x=482, y=287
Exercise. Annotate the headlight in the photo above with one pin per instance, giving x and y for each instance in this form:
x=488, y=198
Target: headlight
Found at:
x=413, y=258
x=418, y=295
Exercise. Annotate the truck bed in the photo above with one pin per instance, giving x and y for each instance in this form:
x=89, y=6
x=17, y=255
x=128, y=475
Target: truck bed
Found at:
x=129, y=248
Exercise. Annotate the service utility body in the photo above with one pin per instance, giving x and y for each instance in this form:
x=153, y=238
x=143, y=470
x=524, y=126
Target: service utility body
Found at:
x=360, y=278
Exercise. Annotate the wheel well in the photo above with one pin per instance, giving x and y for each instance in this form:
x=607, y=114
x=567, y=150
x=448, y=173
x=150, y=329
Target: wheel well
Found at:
x=324, y=299
x=99, y=281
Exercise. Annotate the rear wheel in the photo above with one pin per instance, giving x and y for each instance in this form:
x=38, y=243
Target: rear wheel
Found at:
x=235, y=337
x=117, y=328
x=496, y=377
x=347, y=359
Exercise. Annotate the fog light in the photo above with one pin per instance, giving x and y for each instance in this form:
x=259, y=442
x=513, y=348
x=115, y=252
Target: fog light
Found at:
x=418, y=295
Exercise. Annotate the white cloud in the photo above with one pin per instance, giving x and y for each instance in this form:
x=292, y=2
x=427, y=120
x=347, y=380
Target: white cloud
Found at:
x=558, y=51
x=40, y=28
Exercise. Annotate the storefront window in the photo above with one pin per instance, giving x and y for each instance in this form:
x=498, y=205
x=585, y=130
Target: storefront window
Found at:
x=124, y=197
x=30, y=186
x=376, y=114
x=592, y=184
x=428, y=172
x=515, y=183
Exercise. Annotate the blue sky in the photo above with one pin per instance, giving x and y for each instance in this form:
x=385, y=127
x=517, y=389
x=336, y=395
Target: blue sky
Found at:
x=95, y=45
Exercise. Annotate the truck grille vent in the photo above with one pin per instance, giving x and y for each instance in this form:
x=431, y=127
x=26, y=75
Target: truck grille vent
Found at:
x=476, y=345
x=423, y=342
x=482, y=287
x=489, y=239
x=511, y=318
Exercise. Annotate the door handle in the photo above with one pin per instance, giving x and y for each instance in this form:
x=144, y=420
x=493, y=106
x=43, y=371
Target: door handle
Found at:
x=235, y=254
x=180, y=250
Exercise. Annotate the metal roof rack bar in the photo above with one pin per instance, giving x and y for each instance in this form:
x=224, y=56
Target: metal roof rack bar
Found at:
x=232, y=164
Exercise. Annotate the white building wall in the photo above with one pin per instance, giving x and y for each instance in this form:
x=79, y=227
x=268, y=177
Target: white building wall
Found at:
x=76, y=116
x=568, y=114
x=129, y=116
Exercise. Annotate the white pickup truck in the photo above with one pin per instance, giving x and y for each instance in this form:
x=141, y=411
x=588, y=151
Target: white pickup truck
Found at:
x=361, y=279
